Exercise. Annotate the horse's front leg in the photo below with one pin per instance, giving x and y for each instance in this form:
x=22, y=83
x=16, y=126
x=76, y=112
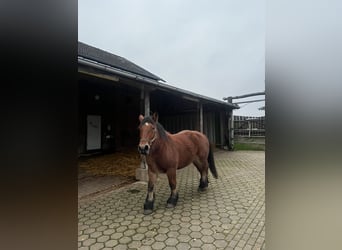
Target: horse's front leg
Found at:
x=149, y=202
x=171, y=175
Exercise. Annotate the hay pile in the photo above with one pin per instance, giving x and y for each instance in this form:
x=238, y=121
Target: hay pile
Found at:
x=122, y=164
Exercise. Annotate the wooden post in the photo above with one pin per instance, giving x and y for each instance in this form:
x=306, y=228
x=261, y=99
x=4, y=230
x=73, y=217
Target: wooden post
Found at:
x=231, y=128
x=200, y=107
x=222, y=116
x=141, y=173
x=142, y=100
x=147, y=102
x=249, y=129
x=230, y=125
x=231, y=131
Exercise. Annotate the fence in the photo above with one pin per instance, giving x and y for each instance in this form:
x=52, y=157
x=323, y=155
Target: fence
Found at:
x=249, y=126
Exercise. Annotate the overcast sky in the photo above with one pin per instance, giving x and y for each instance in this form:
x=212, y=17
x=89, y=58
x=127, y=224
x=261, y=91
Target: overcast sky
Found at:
x=214, y=48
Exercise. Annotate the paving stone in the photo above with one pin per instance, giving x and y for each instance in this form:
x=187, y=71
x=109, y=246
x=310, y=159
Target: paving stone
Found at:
x=171, y=241
x=184, y=238
x=125, y=240
x=97, y=246
x=220, y=243
x=230, y=214
x=121, y=229
x=163, y=230
x=158, y=245
x=169, y=248
x=174, y=227
x=88, y=242
x=135, y=244
x=111, y=243
x=219, y=236
x=196, y=235
x=120, y=247
x=183, y=246
x=161, y=237
x=185, y=231
x=148, y=241
x=248, y=247
x=129, y=232
x=207, y=239
x=103, y=238
x=195, y=228
x=196, y=243
x=173, y=234
x=116, y=236
x=83, y=237
x=209, y=247
x=108, y=232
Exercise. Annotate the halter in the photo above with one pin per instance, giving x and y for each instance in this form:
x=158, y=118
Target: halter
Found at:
x=149, y=142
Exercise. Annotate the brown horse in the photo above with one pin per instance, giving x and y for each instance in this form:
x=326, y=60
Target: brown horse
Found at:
x=165, y=153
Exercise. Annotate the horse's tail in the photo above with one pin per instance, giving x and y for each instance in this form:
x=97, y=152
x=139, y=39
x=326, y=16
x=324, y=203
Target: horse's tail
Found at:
x=212, y=163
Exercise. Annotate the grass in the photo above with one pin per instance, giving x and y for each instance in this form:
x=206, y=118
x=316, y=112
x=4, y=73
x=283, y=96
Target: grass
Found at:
x=249, y=146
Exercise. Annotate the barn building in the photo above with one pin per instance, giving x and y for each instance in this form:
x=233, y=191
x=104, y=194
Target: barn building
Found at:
x=113, y=92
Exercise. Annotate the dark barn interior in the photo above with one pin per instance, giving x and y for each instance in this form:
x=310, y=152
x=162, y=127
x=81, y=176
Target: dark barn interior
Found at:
x=118, y=106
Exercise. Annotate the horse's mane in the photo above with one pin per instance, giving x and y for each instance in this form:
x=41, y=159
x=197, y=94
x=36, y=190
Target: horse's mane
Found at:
x=160, y=128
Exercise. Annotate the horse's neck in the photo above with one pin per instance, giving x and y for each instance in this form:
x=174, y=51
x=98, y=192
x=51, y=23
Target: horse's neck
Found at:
x=160, y=143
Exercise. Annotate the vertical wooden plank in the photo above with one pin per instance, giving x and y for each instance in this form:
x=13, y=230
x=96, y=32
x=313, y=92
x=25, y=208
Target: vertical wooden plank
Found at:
x=147, y=102
x=142, y=100
x=222, y=128
x=201, y=117
x=231, y=130
x=249, y=129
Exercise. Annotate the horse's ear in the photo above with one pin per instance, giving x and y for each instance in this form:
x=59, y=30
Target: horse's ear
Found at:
x=141, y=117
x=155, y=116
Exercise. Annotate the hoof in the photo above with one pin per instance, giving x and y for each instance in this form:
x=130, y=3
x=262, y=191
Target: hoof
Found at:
x=148, y=211
x=170, y=205
x=202, y=189
x=203, y=186
x=172, y=202
x=148, y=206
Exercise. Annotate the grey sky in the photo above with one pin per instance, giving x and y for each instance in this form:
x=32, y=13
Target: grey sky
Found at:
x=215, y=48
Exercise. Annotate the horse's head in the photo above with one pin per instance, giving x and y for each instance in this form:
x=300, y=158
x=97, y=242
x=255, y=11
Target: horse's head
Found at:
x=148, y=133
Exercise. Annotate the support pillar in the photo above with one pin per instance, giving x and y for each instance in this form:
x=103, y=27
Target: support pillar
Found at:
x=147, y=102
x=231, y=130
x=200, y=108
x=222, y=129
x=141, y=173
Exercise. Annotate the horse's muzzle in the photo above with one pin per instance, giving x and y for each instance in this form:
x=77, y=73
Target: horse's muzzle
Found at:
x=144, y=149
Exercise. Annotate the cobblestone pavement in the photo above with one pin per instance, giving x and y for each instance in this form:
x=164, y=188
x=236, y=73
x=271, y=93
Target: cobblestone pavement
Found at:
x=229, y=215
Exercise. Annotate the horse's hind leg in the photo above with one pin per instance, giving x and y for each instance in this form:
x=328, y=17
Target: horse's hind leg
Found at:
x=149, y=202
x=202, y=167
x=172, y=201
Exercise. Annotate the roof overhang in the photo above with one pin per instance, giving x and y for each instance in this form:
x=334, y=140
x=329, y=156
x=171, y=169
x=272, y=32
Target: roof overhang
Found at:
x=113, y=74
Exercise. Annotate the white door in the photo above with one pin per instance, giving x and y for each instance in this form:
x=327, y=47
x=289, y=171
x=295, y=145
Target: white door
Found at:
x=93, y=132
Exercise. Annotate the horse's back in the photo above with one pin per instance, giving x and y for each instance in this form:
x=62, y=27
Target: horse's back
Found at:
x=190, y=145
x=191, y=135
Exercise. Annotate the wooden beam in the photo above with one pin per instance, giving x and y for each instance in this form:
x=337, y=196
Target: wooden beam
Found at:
x=147, y=102
x=200, y=106
x=222, y=128
x=259, y=100
x=243, y=96
x=231, y=130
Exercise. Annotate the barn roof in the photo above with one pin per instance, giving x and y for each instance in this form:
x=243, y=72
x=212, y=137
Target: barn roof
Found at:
x=101, y=56
x=106, y=61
